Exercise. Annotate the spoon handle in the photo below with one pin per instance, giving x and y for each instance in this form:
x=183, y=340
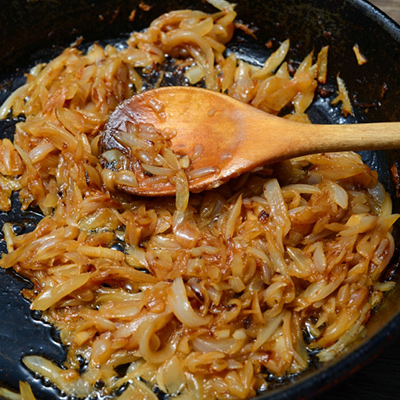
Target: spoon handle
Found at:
x=286, y=139
x=370, y=136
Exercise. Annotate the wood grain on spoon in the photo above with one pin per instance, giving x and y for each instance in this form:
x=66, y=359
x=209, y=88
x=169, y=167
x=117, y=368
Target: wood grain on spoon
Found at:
x=234, y=137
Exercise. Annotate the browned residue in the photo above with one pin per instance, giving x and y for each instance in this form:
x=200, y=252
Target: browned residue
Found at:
x=132, y=15
x=384, y=90
x=77, y=42
x=115, y=15
x=269, y=44
x=396, y=178
x=145, y=7
x=246, y=29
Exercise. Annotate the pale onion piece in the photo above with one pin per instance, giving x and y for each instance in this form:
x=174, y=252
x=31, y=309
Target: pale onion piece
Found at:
x=359, y=223
x=343, y=96
x=112, y=155
x=319, y=290
x=223, y=333
x=386, y=222
x=100, y=218
x=305, y=65
x=7, y=105
x=47, y=369
x=221, y=5
x=51, y=200
x=9, y=395
x=127, y=273
x=184, y=162
x=273, y=61
x=193, y=42
x=233, y=215
x=302, y=188
x=338, y=194
x=40, y=152
x=171, y=376
x=136, y=257
x=82, y=337
x=209, y=344
x=101, y=350
x=266, y=333
x=158, y=107
x=185, y=229
x=194, y=74
x=361, y=60
x=258, y=253
x=132, y=140
x=198, y=251
x=163, y=224
x=182, y=191
x=245, y=86
x=166, y=242
x=319, y=257
x=171, y=159
x=198, y=150
x=196, y=361
x=149, y=132
x=283, y=72
x=217, y=46
x=158, y=171
x=120, y=309
x=51, y=296
x=101, y=252
x=201, y=172
x=126, y=178
x=360, y=209
x=346, y=338
x=202, y=26
x=9, y=235
x=301, y=260
x=149, y=337
x=322, y=64
x=135, y=78
x=240, y=334
x=277, y=205
x=55, y=134
x=136, y=58
x=275, y=251
x=180, y=305
x=195, y=266
x=108, y=177
x=384, y=286
x=138, y=390
x=93, y=176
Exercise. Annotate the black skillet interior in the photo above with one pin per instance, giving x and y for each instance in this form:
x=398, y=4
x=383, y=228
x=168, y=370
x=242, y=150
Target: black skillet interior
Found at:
x=35, y=31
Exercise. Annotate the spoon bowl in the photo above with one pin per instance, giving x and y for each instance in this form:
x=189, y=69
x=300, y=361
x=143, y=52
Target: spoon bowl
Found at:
x=225, y=138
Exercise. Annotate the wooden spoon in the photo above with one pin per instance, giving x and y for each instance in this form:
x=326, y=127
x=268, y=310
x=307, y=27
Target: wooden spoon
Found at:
x=234, y=137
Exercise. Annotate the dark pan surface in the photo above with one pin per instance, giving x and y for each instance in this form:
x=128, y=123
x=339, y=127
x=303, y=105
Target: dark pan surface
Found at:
x=35, y=31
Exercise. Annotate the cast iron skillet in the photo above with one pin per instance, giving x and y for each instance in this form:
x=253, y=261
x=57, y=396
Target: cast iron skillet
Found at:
x=35, y=31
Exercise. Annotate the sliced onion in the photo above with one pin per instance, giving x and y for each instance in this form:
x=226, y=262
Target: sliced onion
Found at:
x=51, y=296
x=221, y=4
x=178, y=301
x=338, y=194
x=74, y=387
x=265, y=334
x=147, y=339
x=206, y=344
